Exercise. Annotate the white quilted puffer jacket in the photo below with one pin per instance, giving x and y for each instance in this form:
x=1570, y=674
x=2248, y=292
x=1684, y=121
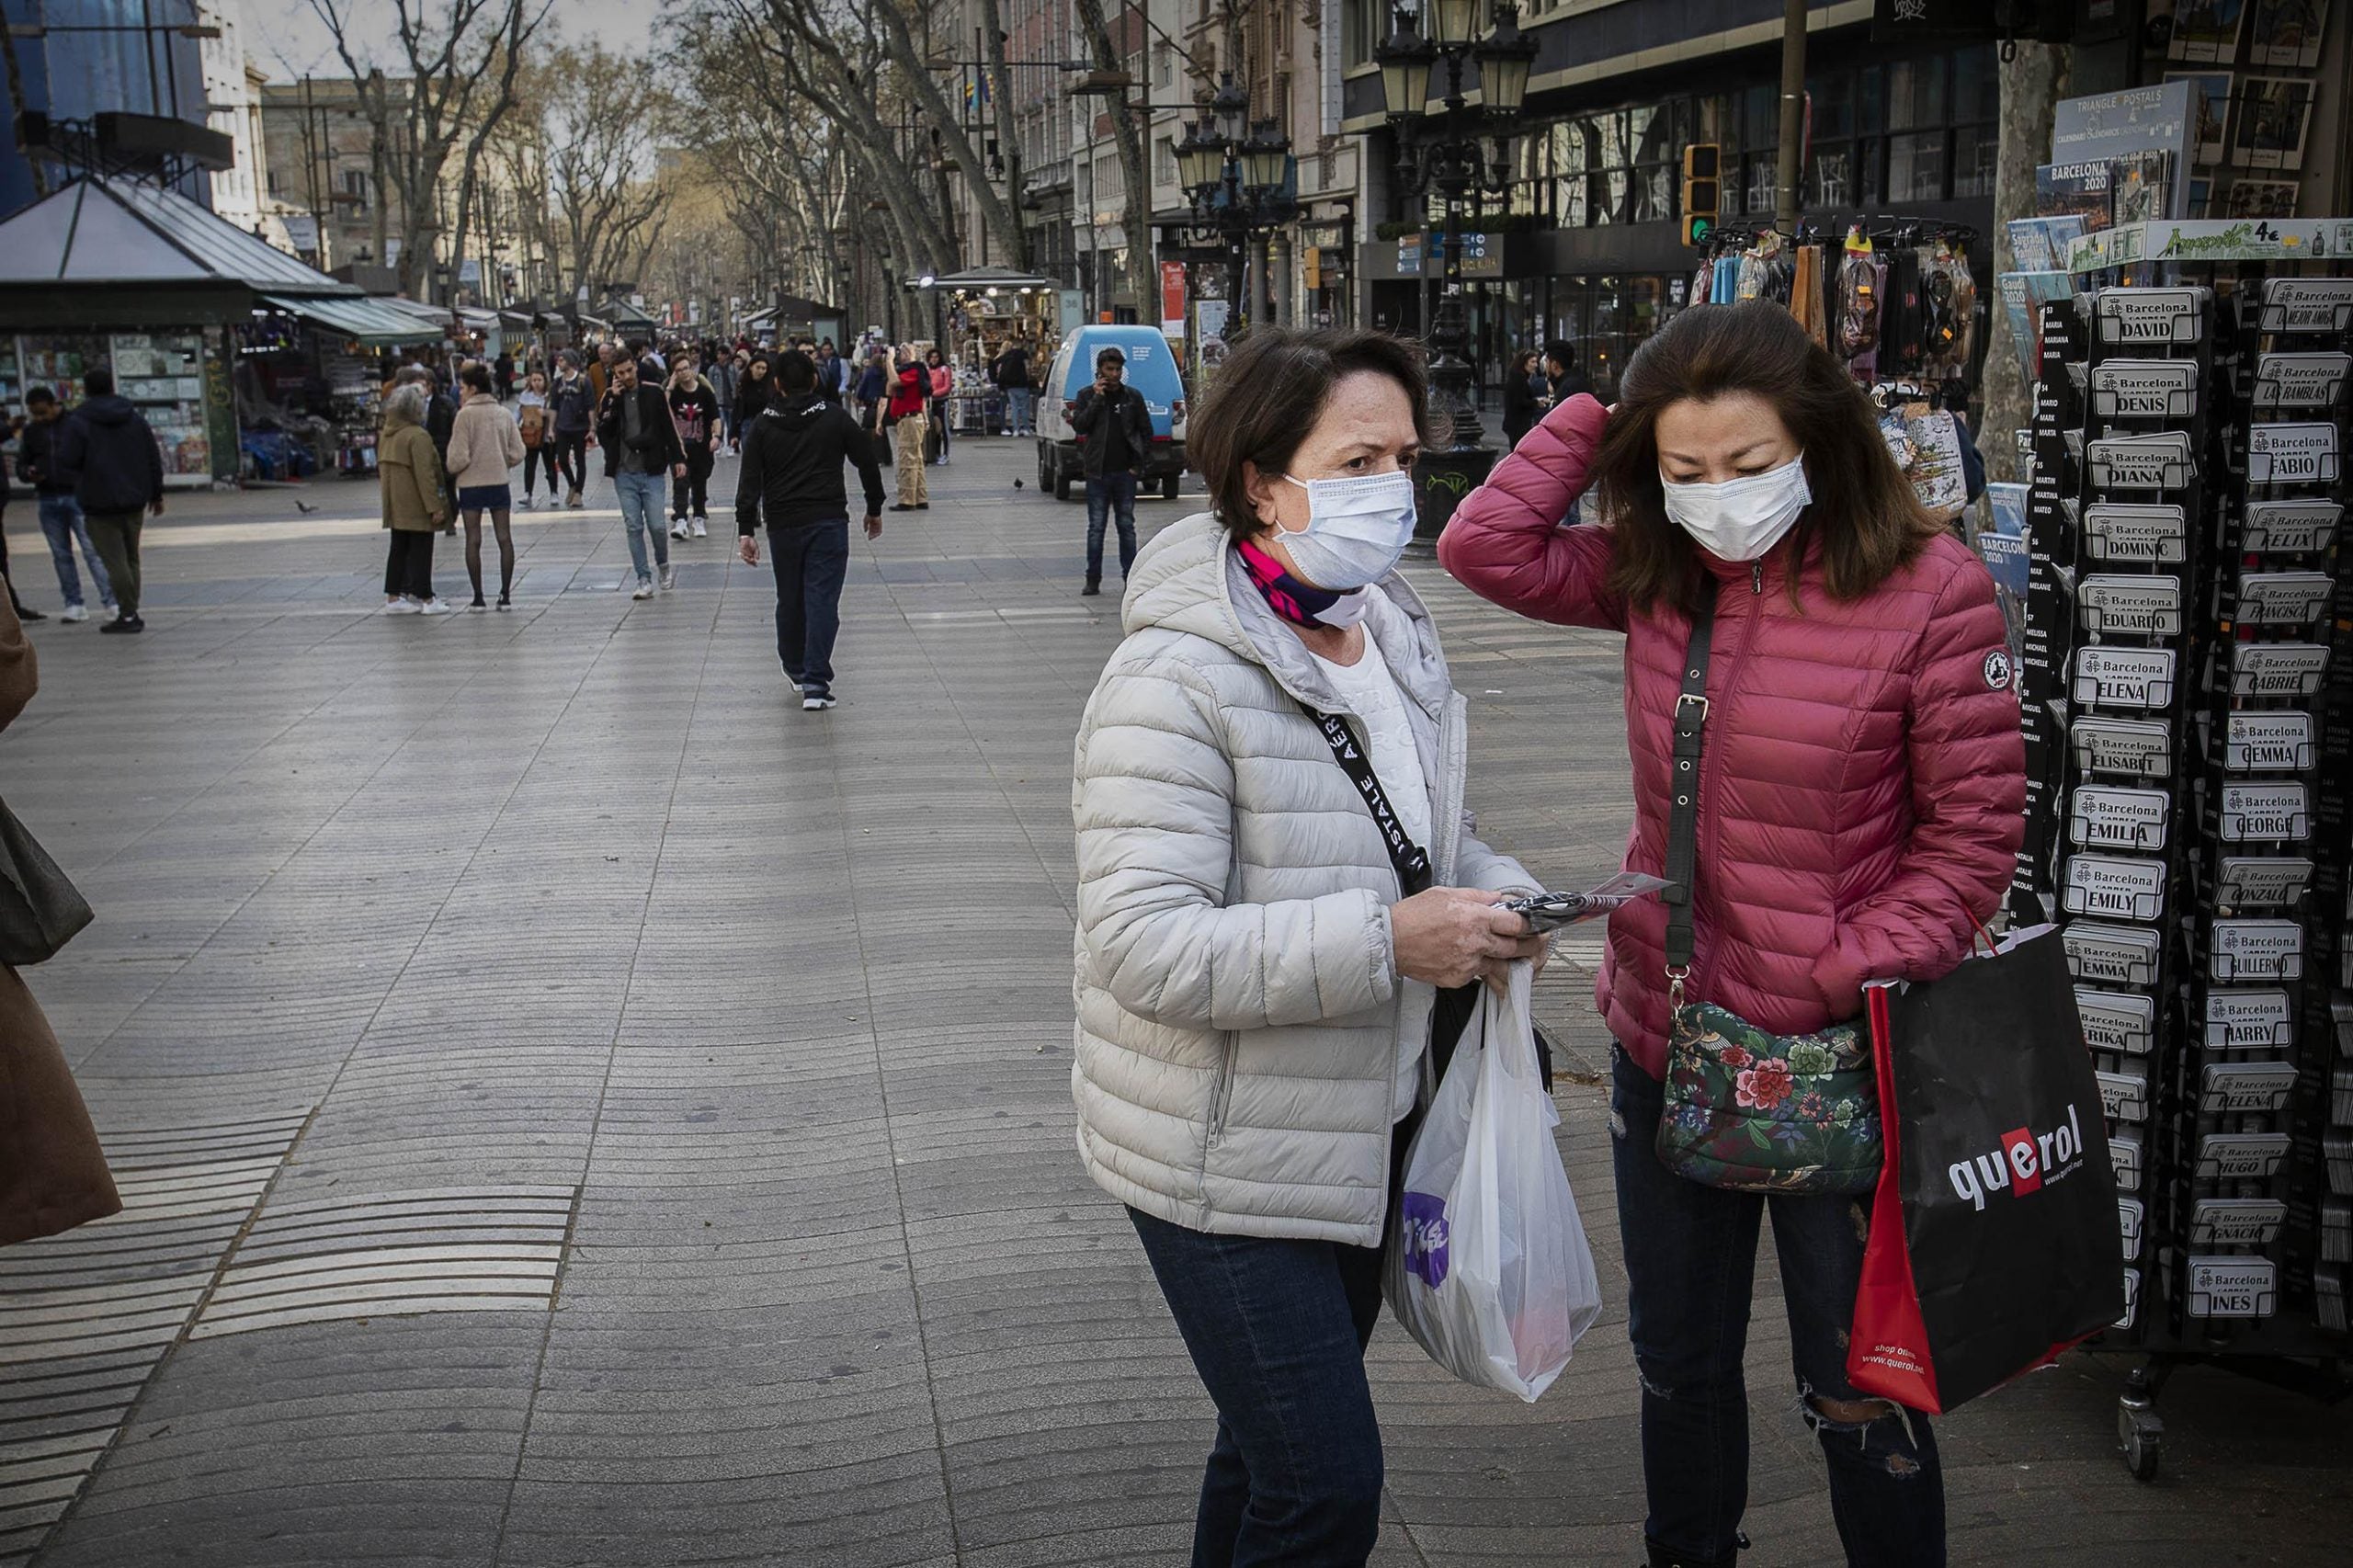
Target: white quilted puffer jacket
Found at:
x=1243, y=1043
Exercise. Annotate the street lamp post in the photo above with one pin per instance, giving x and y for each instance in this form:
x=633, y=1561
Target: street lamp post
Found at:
x=1466, y=152
x=1235, y=169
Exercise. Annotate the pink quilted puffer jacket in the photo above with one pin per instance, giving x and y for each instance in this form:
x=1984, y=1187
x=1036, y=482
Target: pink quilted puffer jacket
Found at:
x=1863, y=785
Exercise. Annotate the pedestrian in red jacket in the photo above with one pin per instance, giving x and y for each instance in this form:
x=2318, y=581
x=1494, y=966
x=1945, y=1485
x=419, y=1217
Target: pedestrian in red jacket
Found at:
x=1860, y=793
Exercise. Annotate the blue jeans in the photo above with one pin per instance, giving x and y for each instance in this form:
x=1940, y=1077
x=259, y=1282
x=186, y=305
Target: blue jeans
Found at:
x=641, y=495
x=1690, y=1261
x=1113, y=492
x=62, y=522
x=1019, y=419
x=810, y=559
x=1276, y=1330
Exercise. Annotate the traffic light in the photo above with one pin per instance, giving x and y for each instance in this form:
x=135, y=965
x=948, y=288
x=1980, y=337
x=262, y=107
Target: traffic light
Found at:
x=1700, y=186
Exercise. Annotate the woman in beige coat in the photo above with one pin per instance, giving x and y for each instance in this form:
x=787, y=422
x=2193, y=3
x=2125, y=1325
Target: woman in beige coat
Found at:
x=52, y=1175
x=415, y=505
x=485, y=446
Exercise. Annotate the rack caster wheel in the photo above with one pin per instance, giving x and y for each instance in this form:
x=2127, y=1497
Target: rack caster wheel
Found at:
x=2140, y=1438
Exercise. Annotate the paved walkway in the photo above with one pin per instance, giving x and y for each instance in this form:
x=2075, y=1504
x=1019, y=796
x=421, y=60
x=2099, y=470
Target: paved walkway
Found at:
x=577, y=1108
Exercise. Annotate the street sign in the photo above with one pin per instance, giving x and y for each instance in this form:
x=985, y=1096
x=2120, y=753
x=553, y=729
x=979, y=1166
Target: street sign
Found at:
x=1409, y=256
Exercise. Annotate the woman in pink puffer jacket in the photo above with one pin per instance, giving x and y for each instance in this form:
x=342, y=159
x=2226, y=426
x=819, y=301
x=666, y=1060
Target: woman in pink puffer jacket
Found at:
x=1861, y=791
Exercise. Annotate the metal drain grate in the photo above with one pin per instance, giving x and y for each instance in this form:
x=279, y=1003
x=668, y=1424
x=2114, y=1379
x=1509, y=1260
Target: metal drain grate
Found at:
x=451, y=1250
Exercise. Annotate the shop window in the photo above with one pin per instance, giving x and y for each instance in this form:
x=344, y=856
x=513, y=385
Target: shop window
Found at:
x=1915, y=93
x=1829, y=178
x=1975, y=149
x=1916, y=167
x=1654, y=196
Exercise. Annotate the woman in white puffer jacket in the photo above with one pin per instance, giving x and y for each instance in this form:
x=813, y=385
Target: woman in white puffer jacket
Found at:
x=1255, y=979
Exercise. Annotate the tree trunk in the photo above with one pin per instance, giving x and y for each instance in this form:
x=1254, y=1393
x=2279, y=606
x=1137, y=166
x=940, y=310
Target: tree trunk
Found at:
x=1129, y=136
x=1009, y=134
x=2032, y=84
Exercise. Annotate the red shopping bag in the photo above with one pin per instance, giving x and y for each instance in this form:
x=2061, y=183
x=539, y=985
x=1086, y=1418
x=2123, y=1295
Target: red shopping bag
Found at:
x=1994, y=1239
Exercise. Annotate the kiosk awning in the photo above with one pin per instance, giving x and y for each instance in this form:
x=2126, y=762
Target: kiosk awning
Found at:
x=376, y=323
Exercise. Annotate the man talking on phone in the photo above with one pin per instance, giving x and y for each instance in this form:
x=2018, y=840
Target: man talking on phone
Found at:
x=1114, y=430
x=792, y=471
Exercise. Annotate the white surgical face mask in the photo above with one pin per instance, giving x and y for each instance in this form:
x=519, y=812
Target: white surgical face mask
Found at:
x=1740, y=518
x=1357, y=528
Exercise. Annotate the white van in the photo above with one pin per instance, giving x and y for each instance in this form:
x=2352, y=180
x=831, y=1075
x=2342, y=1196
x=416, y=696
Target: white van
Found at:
x=1151, y=370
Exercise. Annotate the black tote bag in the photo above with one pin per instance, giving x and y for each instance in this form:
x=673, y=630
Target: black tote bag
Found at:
x=1993, y=1237
x=41, y=909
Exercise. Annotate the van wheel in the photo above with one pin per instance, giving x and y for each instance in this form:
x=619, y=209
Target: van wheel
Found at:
x=1168, y=487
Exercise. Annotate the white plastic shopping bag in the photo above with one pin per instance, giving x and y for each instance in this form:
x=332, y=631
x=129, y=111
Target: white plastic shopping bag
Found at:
x=1488, y=1267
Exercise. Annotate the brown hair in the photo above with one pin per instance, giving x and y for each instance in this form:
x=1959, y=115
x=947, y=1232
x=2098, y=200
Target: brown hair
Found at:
x=1864, y=518
x=1269, y=394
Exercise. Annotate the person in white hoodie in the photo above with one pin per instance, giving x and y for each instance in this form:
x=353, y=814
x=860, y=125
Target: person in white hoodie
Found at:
x=533, y=422
x=485, y=446
x=1284, y=914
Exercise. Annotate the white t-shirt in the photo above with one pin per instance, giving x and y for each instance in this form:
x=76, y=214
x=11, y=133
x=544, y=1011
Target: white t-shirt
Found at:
x=1370, y=691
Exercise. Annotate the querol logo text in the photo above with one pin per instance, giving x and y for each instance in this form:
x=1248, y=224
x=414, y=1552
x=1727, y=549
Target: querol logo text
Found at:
x=2026, y=1160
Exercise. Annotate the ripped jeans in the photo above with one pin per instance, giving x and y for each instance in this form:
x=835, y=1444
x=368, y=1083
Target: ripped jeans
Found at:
x=1690, y=1261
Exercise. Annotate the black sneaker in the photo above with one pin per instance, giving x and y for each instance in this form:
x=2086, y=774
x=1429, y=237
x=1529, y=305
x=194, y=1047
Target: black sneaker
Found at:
x=26, y=612
x=124, y=623
x=816, y=701
x=1092, y=589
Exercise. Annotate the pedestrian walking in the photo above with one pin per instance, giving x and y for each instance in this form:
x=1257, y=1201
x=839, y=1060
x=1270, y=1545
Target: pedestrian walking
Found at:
x=572, y=406
x=753, y=392
x=832, y=372
x=722, y=375
x=1858, y=811
x=640, y=445
x=61, y=515
x=1009, y=371
x=873, y=388
x=792, y=476
x=532, y=423
x=1256, y=977
x=1519, y=396
x=904, y=417
x=503, y=372
x=106, y=452
x=1114, y=430
x=600, y=371
x=54, y=1174
x=1563, y=380
x=694, y=409
x=484, y=449
x=943, y=383
x=416, y=503
x=25, y=612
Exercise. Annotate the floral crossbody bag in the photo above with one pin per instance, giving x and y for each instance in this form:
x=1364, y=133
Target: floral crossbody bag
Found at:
x=1747, y=1109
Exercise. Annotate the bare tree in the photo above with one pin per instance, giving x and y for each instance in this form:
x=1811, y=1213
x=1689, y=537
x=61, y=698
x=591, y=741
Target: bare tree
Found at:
x=459, y=85
x=605, y=206
x=1127, y=134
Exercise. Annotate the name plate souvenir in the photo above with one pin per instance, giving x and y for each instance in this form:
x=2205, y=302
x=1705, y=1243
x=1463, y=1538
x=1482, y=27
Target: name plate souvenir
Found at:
x=2156, y=533
x=2123, y=1096
x=2266, y=813
x=2255, y=949
x=2145, y=389
x=2233, y=1287
x=2291, y=528
x=2292, y=454
x=2158, y=461
x=2102, y=816
x=2276, y=669
x=2131, y=1218
x=2239, y=1157
x=2284, y=598
x=2235, y=1221
x=2306, y=304
x=2150, y=317
x=2252, y=882
x=2132, y=1299
x=2112, y=955
x=2116, y=1021
x=2129, y=607
x=2245, y=1088
x=2301, y=383
x=2123, y=748
x=2141, y=679
x=2124, y=1154
x=2257, y=1018
x=2269, y=743
x=2114, y=886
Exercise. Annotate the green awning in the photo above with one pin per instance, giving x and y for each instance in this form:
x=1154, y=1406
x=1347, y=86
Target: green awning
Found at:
x=368, y=322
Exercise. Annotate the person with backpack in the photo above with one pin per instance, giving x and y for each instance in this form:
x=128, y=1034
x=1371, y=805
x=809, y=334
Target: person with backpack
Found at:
x=539, y=436
x=792, y=474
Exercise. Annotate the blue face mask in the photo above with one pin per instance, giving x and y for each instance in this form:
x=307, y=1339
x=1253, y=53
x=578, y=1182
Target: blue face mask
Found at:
x=1357, y=528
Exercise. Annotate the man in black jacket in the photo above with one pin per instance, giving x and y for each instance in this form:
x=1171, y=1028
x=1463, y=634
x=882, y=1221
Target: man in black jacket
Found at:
x=61, y=515
x=792, y=471
x=110, y=455
x=1114, y=430
x=634, y=427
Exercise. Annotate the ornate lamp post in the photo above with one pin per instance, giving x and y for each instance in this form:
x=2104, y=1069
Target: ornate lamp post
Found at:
x=1466, y=151
x=1234, y=171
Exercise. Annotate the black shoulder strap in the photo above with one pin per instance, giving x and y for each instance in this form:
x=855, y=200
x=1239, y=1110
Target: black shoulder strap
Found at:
x=1683, y=815
x=1413, y=862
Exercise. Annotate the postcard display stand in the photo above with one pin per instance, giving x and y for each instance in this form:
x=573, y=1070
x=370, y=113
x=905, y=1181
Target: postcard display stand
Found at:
x=2187, y=700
